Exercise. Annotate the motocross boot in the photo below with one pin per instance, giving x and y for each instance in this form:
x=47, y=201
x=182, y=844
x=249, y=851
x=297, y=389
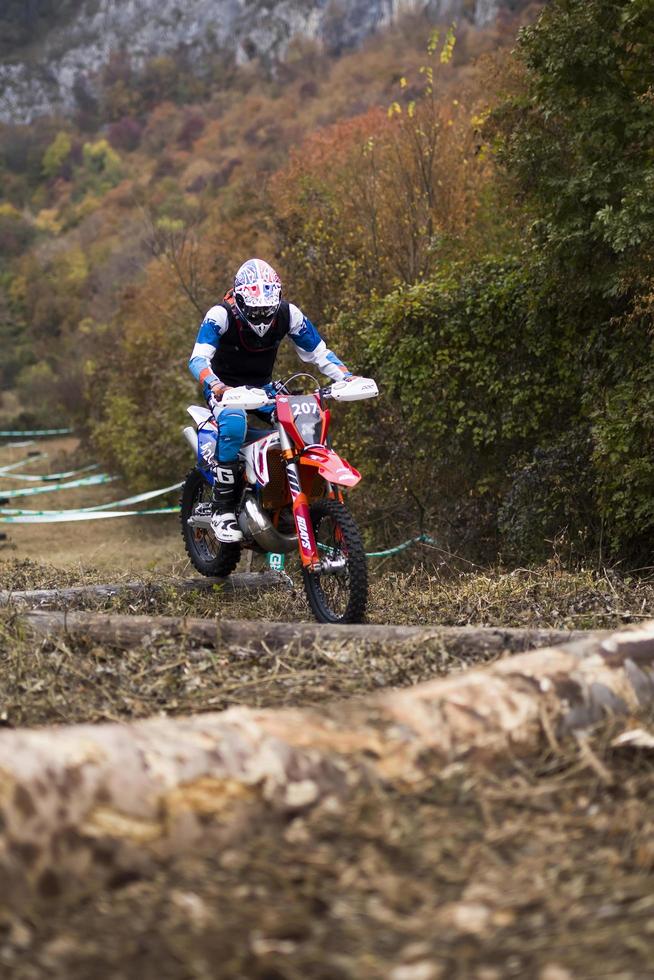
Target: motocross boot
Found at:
x=223, y=520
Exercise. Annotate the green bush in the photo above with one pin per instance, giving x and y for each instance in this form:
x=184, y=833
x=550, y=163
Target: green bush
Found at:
x=551, y=502
x=57, y=154
x=16, y=233
x=576, y=142
x=504, y=416
x=623, y=455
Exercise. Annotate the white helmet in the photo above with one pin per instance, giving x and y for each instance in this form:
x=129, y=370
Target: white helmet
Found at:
x=257, y=293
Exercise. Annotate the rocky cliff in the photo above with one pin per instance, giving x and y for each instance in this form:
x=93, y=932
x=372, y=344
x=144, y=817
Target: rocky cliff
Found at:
x=41, y=79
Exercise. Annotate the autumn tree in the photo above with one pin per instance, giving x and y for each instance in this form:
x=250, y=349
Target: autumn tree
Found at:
x=378, y=200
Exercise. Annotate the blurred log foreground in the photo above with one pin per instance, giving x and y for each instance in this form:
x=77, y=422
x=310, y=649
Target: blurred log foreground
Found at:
x=86, y=806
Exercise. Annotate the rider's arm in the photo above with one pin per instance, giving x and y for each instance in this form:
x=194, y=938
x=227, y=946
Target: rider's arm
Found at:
x=312, y=348
x=211, y=330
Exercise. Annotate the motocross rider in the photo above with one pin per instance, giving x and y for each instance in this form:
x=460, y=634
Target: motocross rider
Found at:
x=237, y=345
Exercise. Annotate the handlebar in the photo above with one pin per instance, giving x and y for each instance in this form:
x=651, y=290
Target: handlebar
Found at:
x=252, y=399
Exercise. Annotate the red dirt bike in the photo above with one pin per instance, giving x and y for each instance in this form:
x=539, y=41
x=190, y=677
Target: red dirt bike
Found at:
x=290, y=495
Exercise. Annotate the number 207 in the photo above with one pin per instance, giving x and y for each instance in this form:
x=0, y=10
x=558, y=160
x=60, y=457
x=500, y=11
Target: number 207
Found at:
x=305, y=408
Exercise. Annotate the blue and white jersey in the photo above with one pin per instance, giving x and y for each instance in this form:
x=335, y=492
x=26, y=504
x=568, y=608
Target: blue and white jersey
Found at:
x=310, y=346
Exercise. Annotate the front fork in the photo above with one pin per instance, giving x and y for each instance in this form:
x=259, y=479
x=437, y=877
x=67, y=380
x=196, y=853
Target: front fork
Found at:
x=305, y=536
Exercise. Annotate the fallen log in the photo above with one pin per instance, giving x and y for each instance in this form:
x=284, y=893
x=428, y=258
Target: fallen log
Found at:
x=247, y=581
x=85, y=806
x=129, y=631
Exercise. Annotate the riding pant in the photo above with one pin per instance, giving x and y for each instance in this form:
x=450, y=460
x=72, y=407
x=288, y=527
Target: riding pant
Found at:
x=232, y=429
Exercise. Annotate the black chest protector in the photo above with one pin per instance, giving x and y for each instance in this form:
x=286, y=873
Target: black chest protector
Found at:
x=244, y=358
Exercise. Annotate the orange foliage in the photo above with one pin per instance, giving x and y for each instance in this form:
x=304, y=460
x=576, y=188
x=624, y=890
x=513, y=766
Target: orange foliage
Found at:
x=380, y=198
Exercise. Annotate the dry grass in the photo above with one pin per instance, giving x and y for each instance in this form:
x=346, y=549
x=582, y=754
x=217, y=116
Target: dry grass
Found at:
x=538, y=867
x=66, y=681
x=543, y=597
x=549, y=596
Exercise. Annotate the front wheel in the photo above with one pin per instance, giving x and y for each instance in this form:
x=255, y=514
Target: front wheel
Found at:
x=339, y=592
x=208, y=556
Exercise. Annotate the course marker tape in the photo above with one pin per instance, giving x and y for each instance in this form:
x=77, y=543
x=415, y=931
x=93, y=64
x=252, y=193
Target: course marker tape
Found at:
x=20, y=462
x=87, y=481
x=421, y=539
x=63, y=517
x=137, y=499
x=47, y=477
x=94, y=516
x=17, y=433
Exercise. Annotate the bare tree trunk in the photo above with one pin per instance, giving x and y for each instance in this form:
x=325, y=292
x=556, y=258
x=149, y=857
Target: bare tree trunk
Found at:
x=84, y=805
x=117, y=630
x=66, y=597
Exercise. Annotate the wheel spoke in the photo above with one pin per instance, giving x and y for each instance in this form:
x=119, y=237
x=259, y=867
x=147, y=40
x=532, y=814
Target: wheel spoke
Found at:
x=205, y=541
x=207, y=554
x=335, y=588
x=339, y=594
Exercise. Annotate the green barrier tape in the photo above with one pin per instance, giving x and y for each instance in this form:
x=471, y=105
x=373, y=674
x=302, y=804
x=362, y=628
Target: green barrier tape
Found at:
x=47, y=477
x=424, y=538
x=30, y=477
x=16, y=516
x=72, y=516
x=20, y=462
x=17, y=433
x=87, y=481
x=137, y=499
x=66, y=517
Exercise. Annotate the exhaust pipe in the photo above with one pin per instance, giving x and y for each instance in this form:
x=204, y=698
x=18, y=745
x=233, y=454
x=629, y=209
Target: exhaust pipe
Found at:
x=256, y=524
x=191, y=437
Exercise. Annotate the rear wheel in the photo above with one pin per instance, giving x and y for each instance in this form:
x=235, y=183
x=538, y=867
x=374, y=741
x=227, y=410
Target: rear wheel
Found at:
x=339, y=593
x=208, y=556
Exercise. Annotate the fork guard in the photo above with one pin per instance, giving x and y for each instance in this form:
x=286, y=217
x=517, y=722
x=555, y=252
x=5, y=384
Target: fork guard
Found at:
x=330, y=466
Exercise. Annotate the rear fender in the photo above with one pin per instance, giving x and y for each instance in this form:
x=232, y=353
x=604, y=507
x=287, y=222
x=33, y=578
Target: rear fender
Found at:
x=330, y=466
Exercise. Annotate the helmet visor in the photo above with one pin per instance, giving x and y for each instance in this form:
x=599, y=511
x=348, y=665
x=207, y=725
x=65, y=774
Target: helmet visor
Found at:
x=257, y=316
x=260, y=315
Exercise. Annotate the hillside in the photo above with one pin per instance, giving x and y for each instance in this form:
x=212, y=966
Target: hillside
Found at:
x=157, y=154
x=406, y=748
x=466, y=219
x=51, y=54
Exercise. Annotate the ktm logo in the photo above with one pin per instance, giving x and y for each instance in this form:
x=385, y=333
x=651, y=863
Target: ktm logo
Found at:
x=304, y=533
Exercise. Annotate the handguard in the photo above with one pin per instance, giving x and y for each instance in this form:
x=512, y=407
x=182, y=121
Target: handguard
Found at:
x=248, y=399
x=354, y=390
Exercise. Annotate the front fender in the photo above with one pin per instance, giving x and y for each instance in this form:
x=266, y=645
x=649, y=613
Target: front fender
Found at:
x=330, y=466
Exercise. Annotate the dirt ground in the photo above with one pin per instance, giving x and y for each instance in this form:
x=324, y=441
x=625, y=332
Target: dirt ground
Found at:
x=537, y=867
x=534, y=869
x=422, y=587
x=147, y=543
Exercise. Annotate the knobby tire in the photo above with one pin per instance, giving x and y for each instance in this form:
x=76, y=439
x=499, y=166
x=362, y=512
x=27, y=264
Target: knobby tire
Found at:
x=208, y=556
x=338, y=598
